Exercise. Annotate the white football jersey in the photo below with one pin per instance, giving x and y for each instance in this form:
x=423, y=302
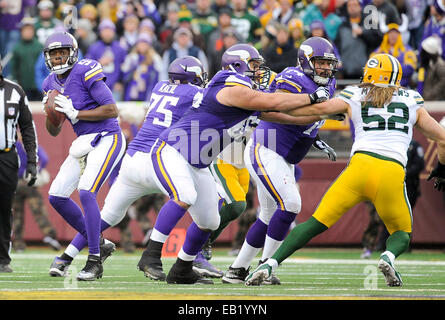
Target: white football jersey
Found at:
x=385, y=131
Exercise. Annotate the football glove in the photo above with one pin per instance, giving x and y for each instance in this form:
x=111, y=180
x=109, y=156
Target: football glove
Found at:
x=31, y=174
x=65, y=105
x=45, y=98
x=325, y=148
x=439, y=174
x=337, y=117
x=319, y=95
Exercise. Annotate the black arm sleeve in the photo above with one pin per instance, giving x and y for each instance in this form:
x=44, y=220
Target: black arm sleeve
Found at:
x=27, y=129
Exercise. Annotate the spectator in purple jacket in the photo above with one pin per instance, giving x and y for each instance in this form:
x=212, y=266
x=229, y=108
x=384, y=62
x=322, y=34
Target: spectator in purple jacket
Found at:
x=110, y=54
x=141, y=70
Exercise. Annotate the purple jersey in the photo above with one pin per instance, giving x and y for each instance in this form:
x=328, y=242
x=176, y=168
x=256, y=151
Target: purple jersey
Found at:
x=209, y=126
x=168, y=104
x=292, y=142
x=77, y=87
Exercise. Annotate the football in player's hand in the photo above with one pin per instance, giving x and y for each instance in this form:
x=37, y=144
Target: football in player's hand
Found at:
x=55, y=117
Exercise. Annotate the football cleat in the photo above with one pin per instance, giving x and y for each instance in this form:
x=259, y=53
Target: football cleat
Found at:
x=5, y=268
x=207, y=250
x=205, y=268
x=106, y=249
x=181, y=275
x=59, y=267
x=392, y=277
x=366, y=254
x=259, y=275
x=93, y=269
x=235, y=275
x=151, y=267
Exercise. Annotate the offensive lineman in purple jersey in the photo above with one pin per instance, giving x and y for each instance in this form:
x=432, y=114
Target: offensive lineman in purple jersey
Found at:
x=184, y=151
x=89, y=105
x=271, y=162
x=169, y=101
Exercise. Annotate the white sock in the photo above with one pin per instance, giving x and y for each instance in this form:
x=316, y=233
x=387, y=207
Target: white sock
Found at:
x=71, y=251
x=184, y=256
x=270, y=246
x=158, y=236
x=390, y=255
x=245, y=256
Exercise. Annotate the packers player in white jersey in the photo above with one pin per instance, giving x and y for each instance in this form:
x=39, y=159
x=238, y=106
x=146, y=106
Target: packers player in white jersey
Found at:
x=383, y=114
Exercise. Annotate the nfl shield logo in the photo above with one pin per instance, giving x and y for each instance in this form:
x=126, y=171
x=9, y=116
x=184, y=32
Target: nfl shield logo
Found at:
x=11, y=111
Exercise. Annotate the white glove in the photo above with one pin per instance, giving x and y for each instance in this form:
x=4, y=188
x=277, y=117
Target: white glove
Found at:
x=320, y=95
x=65, y=105
x=325, y=148
x=45, y=98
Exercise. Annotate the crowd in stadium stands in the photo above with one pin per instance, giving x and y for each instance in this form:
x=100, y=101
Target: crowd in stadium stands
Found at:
x=135, y=40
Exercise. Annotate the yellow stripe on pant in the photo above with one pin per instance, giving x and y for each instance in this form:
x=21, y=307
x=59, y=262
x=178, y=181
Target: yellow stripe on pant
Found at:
x=234, y=181
x=368, y=178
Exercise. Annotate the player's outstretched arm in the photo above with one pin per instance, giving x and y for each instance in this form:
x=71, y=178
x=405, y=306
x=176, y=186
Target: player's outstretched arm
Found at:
x=332, y=106
x=431, y=129
x=246, y=98
x=434, y=131
x=283, y=118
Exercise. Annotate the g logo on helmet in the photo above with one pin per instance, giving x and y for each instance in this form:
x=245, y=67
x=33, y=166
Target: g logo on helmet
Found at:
x=372, y=63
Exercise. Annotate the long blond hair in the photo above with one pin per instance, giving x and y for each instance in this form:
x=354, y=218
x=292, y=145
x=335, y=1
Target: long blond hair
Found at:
x=377, y=96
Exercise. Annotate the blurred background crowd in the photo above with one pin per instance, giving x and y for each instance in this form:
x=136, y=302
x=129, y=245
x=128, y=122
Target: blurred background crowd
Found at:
x=135, y=40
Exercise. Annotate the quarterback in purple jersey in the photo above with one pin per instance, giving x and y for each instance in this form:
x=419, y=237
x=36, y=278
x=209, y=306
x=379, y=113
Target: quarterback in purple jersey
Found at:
x=88, y=104
x=184, y=151
x=169, y=101
x=274, y=150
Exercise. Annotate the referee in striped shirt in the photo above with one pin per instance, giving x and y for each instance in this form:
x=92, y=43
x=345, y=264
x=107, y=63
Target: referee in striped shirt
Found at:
x=14, y=110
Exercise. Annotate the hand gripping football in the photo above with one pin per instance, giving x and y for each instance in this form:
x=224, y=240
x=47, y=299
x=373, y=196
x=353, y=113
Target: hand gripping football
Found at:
x=55, y=117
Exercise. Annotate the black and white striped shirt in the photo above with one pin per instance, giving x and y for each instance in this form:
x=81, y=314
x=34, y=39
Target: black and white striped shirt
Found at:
x=15, y=111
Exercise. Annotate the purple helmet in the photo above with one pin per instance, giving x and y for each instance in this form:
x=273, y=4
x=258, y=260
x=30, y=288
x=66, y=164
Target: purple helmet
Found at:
x=187, y=69
x=245, y=59
x=61, y=40
x=317, y=48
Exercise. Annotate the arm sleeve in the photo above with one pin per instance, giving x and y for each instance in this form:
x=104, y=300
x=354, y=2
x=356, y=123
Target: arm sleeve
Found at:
x=101, y=93
x=28, y=130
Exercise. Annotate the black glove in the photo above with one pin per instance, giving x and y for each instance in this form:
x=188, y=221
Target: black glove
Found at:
x=325, y=148
x=319, y=95
x=438, y=173
x=31, y=171
x=337, y=116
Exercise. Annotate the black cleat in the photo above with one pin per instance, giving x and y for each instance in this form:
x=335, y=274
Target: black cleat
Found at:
x=93, y=269
x=151, y=267
x=106, y=249
x=207, y=250
x=235, y=275
x=59, y=267
x=185, y=275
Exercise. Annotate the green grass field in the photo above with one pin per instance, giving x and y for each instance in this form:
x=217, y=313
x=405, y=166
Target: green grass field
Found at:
x=309, y=274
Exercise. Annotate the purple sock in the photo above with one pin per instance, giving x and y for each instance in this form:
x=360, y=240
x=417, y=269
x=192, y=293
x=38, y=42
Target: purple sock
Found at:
x=257, y=234
x=81, y=242
x=70, y=211
x=168, y=217
x=279, y=224
x=194, y=239
x=92, y=220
